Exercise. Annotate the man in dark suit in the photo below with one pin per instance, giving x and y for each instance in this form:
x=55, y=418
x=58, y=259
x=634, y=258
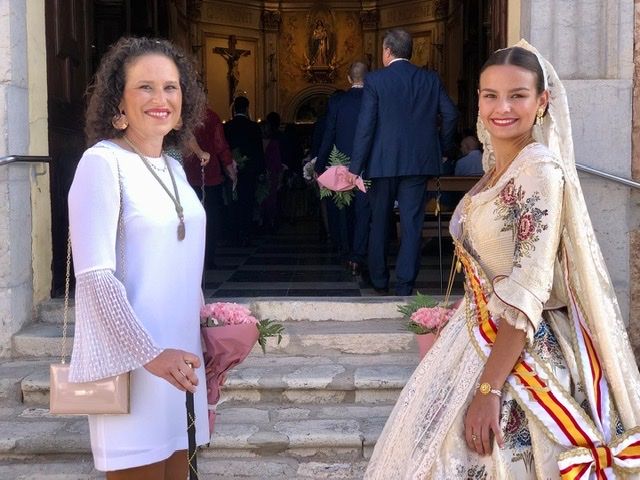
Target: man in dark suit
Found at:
x=398, y=145
x=245, y=140
x=351, y=224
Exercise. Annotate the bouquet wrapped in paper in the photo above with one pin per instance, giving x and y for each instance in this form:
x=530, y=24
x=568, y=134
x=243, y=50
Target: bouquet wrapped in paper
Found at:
x=425, y=314
x=426, y=317
x=229, y=332
x=338, y=182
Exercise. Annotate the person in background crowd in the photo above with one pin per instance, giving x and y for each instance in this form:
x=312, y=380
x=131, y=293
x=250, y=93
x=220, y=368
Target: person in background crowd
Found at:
x=470, y=163
x=272, y=143
x=245, y=141
x=350, y=225
x=398, y=145
x=209, y=145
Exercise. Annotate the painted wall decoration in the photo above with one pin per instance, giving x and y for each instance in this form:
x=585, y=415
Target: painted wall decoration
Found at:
x=316, y=48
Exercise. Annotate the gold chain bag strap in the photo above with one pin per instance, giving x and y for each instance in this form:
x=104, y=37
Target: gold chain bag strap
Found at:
x=104, y=396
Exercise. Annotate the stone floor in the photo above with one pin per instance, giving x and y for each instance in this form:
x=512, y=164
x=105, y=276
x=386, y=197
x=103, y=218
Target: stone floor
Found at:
x=295, y=262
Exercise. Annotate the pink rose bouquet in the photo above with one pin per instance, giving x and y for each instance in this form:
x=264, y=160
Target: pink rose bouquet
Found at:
x=425, y=315
x=229, y=332
x=431, y=319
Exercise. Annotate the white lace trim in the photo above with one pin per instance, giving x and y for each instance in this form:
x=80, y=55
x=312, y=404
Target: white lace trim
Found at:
x=108, y=339
x=514, y=317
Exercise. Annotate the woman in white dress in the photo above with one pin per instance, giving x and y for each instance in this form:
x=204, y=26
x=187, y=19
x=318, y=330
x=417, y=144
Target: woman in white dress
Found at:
x=137, y=232
x=533, y=377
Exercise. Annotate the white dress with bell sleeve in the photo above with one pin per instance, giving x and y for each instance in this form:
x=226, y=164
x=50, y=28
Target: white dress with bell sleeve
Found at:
x=137, y=292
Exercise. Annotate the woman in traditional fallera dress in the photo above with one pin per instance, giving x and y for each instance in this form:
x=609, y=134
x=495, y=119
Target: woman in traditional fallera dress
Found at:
x=533, y=377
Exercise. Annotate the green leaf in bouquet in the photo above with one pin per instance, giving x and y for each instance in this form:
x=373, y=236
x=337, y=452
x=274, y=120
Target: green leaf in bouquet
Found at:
x=268, y=328
x=343, y=199
x=417, y=303
x=337, y=158
x=416, y=328
x=325, y=192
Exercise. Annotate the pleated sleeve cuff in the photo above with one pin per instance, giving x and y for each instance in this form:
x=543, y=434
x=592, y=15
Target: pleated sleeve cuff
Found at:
x=109, y=339
x=515, y=304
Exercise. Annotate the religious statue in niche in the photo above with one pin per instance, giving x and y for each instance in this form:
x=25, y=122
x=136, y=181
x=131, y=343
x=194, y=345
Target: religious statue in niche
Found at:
x=320, y=62
x=320, y=40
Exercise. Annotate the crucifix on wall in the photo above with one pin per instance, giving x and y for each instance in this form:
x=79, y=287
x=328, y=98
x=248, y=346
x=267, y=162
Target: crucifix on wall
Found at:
x=232, y=55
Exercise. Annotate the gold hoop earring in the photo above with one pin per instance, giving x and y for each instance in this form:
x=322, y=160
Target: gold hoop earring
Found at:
x=539, y=116
x=120, y=121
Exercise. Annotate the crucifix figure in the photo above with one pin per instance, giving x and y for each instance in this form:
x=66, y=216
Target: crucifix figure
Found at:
x=232, y=55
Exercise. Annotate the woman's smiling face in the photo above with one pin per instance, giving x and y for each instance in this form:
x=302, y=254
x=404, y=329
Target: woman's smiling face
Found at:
x=508, y=101
x=152, y=98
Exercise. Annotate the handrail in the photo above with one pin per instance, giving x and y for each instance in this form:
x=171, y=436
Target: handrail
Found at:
x=24, y=158
x=608, y=176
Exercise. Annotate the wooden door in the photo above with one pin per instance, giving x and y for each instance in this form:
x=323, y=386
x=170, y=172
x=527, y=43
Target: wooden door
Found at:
x=484, y=31
x=78, y=33
x=68, y=33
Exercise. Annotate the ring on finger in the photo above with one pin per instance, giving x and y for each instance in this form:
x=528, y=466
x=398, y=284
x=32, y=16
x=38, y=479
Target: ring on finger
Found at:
x=474, y=437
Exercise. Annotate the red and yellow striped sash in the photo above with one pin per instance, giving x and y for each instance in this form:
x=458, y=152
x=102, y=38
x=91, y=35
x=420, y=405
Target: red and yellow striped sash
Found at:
x=592, y=449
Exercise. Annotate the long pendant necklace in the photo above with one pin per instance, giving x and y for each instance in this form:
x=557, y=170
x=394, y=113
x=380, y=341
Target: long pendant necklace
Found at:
x=175, y=199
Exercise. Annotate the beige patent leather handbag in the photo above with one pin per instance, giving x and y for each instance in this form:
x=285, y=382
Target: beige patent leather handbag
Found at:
x=103, y=396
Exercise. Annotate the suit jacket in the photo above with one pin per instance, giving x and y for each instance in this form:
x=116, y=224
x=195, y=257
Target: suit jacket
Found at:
x=245, y=135
x=397, y=132
x=340, y=129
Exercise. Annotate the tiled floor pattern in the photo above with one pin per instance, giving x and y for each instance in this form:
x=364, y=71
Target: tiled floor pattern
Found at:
x=294, y=262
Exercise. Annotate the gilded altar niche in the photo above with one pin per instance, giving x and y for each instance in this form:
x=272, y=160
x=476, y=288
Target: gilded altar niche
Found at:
x=316, y=48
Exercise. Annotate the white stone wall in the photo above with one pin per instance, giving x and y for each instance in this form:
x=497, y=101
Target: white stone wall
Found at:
x=590, y=43
x=15, y=205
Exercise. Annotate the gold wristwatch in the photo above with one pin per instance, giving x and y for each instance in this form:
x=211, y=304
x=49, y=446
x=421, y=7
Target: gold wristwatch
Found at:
x=485, y=389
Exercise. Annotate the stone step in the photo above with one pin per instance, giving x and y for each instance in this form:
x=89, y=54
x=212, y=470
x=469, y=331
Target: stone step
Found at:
x=361, y=379
x=303, y=308
x=80, y=467
x=321, y=433
x=379, y=335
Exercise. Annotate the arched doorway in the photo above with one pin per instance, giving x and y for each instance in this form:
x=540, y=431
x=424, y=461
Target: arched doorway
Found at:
x=455, y=36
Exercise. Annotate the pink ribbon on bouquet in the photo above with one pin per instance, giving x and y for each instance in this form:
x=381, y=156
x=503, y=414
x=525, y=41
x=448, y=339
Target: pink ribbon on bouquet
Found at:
x=226, y=346
x=339, y=179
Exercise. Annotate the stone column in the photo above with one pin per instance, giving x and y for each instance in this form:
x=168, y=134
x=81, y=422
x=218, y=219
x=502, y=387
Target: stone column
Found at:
x=590, y=43
x=634, y=307
x=16, y=288
x=271, y=20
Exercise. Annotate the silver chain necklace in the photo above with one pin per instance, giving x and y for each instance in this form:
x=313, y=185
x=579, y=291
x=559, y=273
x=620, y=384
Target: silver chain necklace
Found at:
x=175, y=199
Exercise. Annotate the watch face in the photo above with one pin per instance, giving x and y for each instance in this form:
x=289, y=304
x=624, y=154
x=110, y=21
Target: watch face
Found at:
x=485, y=388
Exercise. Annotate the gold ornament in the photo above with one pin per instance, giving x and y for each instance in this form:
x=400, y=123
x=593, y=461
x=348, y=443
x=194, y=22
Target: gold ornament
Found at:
x=120, y=121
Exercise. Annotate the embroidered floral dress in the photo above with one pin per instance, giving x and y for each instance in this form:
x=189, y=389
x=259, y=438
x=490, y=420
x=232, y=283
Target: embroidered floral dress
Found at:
x=513, y=231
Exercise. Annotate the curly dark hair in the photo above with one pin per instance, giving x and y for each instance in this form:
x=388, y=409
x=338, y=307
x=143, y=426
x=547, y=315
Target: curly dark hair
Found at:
x=107, y=88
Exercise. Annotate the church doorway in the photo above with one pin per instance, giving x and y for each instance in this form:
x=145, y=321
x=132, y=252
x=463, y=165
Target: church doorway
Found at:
x=295, y=57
